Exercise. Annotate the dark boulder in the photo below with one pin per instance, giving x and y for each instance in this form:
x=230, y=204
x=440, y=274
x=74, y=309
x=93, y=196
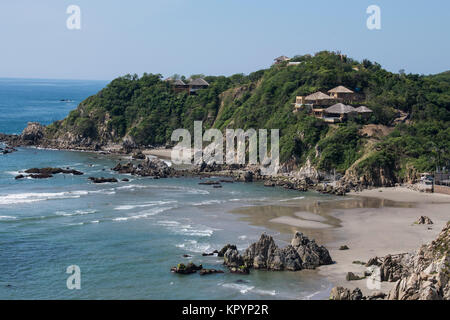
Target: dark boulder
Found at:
x=209, y=271
x=103, y=180
x=181, y=268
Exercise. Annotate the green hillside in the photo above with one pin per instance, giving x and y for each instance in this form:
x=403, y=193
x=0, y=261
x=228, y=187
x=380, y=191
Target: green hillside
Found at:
x=148, y=110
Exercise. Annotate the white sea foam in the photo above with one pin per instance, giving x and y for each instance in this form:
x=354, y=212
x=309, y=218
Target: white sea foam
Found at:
x=296, y=198
x=75, y=213
x=194, y=246
x=168, y=223
x=36, y=197
x=189, y=230
x=244, y=289
x=7, y=218
x=143, y=214
x=208, y=202
x=143, y=205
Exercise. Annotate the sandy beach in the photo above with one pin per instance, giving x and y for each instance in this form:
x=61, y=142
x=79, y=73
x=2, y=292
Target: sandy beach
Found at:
x=162, y=153
x=371, y=223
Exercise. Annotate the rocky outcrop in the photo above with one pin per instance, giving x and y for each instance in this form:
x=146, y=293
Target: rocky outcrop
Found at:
x=302, y=253
x=340, y=293
x=429, y=272
x=54, y=171
x=423, y=275
x=424, y=220
x=190, y=268
x=33, y=133
x=204, y=272
x=148, y=168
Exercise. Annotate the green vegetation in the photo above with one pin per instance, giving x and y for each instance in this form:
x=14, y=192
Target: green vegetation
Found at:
x=147, y=109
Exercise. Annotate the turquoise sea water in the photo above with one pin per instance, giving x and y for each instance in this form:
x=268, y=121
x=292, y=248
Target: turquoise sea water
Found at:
x=124, y=236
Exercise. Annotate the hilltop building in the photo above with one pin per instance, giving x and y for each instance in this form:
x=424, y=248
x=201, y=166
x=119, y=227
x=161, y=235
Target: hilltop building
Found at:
x=281, y=59
x=332, y=108
x=191, y=88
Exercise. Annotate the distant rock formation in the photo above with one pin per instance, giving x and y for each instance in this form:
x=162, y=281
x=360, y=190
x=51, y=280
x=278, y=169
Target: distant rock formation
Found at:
x=302, y=253
x=424, y=220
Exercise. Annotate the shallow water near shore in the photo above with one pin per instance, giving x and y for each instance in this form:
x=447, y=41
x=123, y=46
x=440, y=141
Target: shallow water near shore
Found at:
x=125, y=236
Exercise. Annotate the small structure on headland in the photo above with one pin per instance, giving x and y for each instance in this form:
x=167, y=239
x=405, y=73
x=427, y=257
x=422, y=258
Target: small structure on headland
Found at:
x=332, y=108
x=191, y=88
x=281, y=59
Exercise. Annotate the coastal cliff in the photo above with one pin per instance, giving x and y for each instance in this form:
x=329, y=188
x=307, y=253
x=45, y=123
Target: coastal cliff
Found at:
x=407, y=133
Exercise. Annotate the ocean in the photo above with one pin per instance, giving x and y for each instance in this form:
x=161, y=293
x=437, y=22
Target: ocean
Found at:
x=125, y=236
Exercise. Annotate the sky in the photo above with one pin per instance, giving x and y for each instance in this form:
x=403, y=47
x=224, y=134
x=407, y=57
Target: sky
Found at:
x=214, y=37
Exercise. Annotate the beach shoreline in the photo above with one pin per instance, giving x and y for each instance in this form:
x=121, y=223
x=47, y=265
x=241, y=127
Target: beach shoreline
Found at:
x=372, y=223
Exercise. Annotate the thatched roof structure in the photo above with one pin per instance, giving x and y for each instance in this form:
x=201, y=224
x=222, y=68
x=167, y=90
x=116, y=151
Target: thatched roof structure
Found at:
x=340, y=89
x=178, y=82
x=282, y=58
x=198, y=82
x=363, y=109
x=318, y=96
x=340, y=108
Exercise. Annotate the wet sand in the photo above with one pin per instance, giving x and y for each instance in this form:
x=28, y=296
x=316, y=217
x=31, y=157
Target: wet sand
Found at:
x=370, y=223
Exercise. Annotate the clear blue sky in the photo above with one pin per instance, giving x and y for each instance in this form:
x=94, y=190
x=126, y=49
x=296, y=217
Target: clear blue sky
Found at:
x=214, y=36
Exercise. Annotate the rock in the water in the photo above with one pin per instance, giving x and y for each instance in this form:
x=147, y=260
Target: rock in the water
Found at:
x=50, y=171
x=240, y=270
x=232, y=258
x=40, y=176
x=181, y=268
x=222, y=251
x=103, y=180
x=209, y=271
x=209, y=183
x=312, y=255
x=148, y=168
x=424, y=220
x=344, y=247
x=20, y=176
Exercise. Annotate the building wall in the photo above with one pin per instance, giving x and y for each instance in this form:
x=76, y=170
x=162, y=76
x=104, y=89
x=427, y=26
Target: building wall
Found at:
x=442, y=189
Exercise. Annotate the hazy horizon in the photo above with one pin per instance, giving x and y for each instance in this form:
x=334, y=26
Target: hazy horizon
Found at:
x=213, y=37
